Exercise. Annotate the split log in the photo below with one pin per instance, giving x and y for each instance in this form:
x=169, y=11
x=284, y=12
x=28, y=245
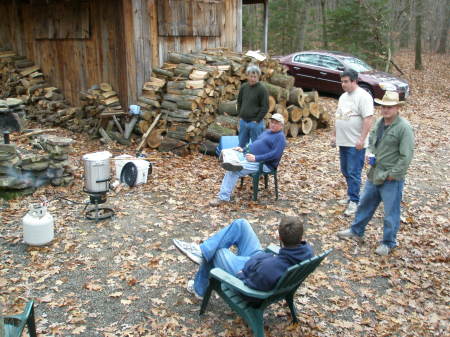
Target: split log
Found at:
x=296, y=97
x=105, y=87
x=230, y=108
x=272, y=104
x=149, y=101
x=314, y=110
x=163, y=72
x=144, y=137
x=155, y=138
x=305, y=111
x=294, y=129
x=295, y=113
x=282, y=80
x=311, y=96
x=183, y=58
x=307, y=125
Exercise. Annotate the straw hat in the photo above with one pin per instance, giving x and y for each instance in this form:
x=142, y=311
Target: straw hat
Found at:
x=390, y=98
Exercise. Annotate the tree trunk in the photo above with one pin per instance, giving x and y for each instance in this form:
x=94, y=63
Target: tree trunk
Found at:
x=296, y=97
x=282, y=80
x=176, y=146
x=215, y=131
x=208, y=147
x=418, y=58
x=272, y=104
x=302, y=25
x=155, y=138
x=229, y=122
x=294, y=129
x=324, y=24
x=442, y=49
x=276, y=91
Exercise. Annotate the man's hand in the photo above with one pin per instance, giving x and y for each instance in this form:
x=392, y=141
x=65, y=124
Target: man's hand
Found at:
x=389, y=178
x=359, y=144
x=250, y=157
x=237, y=148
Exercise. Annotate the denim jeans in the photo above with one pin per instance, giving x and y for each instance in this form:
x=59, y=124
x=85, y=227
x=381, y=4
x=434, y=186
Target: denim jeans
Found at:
x=249, y=131
x=216, y=253
x=390, y=192
x=231, y=178
x=352, y=162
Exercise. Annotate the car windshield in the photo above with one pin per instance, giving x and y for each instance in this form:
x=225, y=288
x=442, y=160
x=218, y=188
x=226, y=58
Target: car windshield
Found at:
x=357, y=64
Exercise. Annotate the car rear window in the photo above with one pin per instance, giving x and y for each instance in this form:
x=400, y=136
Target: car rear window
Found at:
x=357, y=64
x=307, y=59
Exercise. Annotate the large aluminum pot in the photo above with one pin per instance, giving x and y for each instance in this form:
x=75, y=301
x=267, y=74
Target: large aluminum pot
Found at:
x=97, y=171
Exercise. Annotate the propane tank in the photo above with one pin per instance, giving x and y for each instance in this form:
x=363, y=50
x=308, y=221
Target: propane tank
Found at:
x=37, y=226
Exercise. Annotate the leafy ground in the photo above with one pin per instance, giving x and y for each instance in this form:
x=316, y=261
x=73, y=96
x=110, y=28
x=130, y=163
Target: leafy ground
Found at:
x=124, y=278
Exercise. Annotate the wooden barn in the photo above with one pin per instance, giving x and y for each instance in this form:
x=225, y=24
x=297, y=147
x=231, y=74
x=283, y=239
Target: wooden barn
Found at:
x=78, y=43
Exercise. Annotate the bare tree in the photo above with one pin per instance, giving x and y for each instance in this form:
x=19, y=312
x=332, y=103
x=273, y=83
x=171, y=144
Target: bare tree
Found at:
x=324, y=23
x=418, y=59
x=445, y=27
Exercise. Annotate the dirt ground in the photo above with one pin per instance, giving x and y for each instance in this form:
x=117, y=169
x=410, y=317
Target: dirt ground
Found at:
x=123, y=277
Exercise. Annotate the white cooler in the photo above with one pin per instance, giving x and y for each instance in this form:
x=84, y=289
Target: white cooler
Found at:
x=141, y=165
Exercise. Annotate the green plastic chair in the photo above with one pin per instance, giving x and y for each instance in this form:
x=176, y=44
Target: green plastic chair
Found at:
x=14, y=325
x=234, y=292
x=255, y=179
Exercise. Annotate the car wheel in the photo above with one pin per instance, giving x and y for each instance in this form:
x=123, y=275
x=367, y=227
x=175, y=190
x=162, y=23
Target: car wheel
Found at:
x=366, y=88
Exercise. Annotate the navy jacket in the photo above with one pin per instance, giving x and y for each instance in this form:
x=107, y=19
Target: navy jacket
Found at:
x=263, y=270
x=269, y=147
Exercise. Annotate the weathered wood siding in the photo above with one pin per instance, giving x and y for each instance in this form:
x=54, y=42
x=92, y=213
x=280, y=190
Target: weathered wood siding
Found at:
x=230, y=23
x=71, y=64
x=119, y=45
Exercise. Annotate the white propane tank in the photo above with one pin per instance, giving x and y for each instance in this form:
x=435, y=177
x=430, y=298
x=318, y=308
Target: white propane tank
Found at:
x=37, y=226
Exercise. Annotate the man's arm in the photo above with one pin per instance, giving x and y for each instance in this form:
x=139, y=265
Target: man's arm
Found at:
x=275, y=153
x=239, y=100
x=406, y=150
x=367, y=125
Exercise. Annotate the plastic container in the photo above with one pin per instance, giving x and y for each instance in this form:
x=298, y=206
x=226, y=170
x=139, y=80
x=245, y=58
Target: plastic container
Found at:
x=37, y=226
x=141, y=165
x=97, y=171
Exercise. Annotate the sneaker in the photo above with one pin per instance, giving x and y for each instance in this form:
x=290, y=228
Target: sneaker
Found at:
x=383, y=250
x=217, y=202
x=343, y=201
x=351, y=208
x=191, y=250
x=190, y=288
x=348, y=234
x=232, y=166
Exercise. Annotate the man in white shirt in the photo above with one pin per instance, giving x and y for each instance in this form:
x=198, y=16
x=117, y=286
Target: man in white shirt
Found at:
x=353, y=123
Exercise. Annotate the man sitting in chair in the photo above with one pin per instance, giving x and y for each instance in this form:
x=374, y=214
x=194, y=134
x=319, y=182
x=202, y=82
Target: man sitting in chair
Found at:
x=267, y=148
x=257, y=269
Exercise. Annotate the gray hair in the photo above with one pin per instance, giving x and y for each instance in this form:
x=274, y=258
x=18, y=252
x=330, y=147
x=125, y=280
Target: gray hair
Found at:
x=253, y=69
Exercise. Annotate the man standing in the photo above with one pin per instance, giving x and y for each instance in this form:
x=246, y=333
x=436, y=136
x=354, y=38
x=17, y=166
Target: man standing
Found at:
x=353, y=123
x=392, y=143
x=252, y=106
x=268, y=148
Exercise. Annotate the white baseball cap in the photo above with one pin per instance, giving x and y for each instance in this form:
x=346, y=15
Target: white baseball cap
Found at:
x=278, y=117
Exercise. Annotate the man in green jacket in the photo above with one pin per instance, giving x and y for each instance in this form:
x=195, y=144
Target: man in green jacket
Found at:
x=391, y=142
x=252, y=106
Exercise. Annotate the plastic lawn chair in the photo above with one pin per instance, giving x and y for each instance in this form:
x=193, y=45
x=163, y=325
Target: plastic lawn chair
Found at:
x=255, y=180
x=14, y=325
x=250, y=303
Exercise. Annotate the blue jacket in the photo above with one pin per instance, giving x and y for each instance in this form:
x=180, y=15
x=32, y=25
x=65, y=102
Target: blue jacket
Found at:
x=269, y=147
x=263, y=270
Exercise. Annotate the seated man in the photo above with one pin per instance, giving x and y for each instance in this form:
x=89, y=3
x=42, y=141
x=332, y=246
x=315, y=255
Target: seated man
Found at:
x=267, y=148
x=257, y=269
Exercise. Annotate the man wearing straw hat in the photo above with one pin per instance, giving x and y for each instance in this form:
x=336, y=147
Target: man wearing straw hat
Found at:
x=391, y=141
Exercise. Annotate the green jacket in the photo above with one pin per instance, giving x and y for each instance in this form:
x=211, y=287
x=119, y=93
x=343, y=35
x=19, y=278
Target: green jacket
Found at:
x=252, y=102
x=394, y=151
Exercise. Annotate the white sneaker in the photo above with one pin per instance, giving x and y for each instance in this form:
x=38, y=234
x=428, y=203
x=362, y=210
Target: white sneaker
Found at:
x=383, y=250
x=343, y=201
x=348, y=234
x=190, y=288
x=191, y=250
x=351, y=208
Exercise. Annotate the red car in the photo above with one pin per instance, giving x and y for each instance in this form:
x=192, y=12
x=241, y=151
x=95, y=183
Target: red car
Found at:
x=321, y=69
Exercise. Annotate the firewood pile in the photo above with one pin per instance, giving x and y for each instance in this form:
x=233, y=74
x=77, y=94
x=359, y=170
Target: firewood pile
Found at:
x=97, y=116
x=195, y=96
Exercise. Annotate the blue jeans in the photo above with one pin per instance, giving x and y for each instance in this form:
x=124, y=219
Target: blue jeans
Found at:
x=249, y=131
x=352, y=162
x=231, y=177
x=216, y=253
x=390, y=192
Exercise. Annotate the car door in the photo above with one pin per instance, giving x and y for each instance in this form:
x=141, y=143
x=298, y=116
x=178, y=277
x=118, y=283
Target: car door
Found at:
x=304, y=70
x=329, y=74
